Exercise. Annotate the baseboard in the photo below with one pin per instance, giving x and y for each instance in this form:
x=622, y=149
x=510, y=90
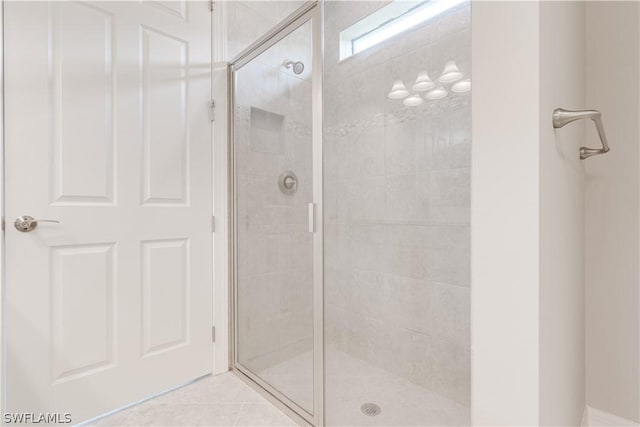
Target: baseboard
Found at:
x=596, y=418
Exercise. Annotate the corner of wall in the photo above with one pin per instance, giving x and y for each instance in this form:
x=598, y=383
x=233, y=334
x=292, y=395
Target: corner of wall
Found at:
x=505, y=213
x=597, y=418
x=562, y=181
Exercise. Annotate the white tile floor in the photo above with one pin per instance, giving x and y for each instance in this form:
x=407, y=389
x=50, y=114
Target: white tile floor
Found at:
x=351, y=382
x=225, y=400
x=222, y=400
x=293, y=378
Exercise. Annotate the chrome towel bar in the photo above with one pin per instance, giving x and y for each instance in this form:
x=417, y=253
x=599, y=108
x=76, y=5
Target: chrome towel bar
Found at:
x=562, y=117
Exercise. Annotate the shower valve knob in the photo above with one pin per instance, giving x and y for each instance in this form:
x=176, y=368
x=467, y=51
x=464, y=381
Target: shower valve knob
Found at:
x=288, y=182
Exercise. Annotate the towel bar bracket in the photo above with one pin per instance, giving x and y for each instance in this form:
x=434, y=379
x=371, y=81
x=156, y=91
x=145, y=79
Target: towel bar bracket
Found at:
x=562, y=117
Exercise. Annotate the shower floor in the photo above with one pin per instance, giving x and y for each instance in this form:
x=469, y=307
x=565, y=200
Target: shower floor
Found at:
x=351, y=382
x=225, y=400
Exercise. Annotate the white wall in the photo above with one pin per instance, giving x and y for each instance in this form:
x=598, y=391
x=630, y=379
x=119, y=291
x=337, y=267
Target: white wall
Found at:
x=612, y=211
x=562, y=83
x=505, y=213
x=527, y=214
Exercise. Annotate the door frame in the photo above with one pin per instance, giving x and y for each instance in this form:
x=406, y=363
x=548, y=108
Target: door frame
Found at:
x=219, y=363
x=2, y=215
x=220, y=152
x=311, y=11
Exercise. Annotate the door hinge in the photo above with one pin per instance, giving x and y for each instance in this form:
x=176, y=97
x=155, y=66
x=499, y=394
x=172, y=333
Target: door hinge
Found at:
x=213, y=224
x=213, y=334
x=212, y=110
x=211, y=5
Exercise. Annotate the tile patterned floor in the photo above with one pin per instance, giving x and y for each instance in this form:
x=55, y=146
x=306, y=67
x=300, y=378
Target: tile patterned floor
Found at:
x=351, y=382
x=225, y=400
x=221, y=400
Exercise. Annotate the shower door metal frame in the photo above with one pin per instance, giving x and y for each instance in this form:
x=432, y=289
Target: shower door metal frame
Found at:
x=311, y=11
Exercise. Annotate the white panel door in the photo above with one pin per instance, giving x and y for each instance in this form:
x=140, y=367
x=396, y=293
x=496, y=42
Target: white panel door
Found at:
x=107, y=131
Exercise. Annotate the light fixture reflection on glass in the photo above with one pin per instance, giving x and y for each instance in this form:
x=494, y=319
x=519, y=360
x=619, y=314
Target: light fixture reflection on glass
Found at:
x=413, y=101
x=423, y=82
x=398, y=90
x=450, y=73
x=437, y=93
x=461, y=86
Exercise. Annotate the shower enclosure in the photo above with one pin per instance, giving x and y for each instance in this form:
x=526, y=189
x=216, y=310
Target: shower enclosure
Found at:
x=277, y=225
x=350, y=140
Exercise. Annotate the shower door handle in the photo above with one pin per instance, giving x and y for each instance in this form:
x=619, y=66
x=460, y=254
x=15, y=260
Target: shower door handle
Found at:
x=312, y=217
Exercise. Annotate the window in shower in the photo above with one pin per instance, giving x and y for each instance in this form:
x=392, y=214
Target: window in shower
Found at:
x=389, y=21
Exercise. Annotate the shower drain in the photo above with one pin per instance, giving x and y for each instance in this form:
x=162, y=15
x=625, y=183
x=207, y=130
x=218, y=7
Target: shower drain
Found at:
x=370, y=409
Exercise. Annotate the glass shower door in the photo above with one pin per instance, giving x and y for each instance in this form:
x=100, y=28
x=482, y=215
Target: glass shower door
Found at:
x=273, y=189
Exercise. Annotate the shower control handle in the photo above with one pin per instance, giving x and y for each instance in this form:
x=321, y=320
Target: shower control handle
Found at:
x=289, y=182
x=26, y=223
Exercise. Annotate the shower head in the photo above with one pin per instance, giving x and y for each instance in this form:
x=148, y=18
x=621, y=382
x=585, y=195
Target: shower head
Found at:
x=298, y=67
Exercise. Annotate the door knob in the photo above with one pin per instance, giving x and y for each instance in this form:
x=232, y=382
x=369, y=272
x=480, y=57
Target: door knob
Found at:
x=26, y=223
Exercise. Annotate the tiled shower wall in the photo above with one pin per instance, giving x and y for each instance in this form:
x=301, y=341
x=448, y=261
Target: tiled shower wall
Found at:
x=247, y=21
x=397, y=204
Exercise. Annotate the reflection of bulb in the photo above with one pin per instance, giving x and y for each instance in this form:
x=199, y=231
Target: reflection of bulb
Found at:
x=398, y=90
x=461, y=86
x=450, y=73
x=423, y=82
x=437, y=93
x=412, y=101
